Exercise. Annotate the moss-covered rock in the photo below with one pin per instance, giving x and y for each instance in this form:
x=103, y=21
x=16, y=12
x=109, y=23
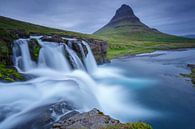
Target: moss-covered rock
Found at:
x=6, y=39
x=9, y=74
x=34, y=48
x=192, y=74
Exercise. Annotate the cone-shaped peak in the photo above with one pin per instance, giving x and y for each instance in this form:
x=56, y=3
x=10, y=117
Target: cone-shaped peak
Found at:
x=125, y=12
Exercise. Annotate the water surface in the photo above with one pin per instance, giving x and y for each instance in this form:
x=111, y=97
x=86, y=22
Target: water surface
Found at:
x=156, y=85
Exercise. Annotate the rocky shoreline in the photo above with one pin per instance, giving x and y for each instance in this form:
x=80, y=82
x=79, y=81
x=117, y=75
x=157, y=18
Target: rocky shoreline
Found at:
x=94, y=119
x=192, y=74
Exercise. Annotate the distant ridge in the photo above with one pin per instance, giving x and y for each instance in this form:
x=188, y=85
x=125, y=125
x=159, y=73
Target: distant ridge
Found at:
x=192, y=36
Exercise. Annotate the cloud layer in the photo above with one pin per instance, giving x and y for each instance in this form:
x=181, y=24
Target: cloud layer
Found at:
x=87, y=16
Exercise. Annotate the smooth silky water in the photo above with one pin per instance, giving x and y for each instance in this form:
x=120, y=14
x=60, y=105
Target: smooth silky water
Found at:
x=155, y=83
x=142, y=88
x=55, y=81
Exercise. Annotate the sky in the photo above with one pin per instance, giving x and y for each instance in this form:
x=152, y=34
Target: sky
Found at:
x=86, y=16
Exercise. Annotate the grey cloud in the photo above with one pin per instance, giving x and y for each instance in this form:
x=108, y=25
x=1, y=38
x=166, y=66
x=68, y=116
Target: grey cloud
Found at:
x=171, y=16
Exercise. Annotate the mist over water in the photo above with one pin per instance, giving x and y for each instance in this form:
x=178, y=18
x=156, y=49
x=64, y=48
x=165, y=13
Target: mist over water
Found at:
x=84, y=87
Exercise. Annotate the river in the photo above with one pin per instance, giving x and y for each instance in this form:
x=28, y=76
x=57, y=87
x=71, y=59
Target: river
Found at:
x=156, y=85
x=146, y=87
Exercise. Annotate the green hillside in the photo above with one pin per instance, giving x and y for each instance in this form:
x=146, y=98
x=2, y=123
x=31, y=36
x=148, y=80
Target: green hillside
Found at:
x=8, y=24
x=126, y=34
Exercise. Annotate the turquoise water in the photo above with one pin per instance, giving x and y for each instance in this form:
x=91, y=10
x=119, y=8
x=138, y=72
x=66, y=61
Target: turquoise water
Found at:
x=154, y=83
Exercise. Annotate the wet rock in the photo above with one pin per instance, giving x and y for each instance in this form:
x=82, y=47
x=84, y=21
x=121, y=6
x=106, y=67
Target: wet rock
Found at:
x=53, y=38
x=44, y=117
x=34, y=48
x=191, y=65
x=99, y=49
x=74, y=44
x=93, y=119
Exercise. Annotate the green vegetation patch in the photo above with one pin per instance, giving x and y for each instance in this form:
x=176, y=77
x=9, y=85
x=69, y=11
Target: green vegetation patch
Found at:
x=126, y=40
x=29, y=28
x=136, y=125
x=9, y=74
x=191, y=75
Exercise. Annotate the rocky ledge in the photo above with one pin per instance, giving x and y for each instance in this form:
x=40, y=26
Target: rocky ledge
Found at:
x=94, y=119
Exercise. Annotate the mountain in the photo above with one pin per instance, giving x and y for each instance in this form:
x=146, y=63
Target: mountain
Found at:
x=125, y=20
x=126, y=34
x=192, y=36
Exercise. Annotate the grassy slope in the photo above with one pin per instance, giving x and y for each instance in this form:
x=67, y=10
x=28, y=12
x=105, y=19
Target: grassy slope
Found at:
x=8, y=23
x=127, y=39
x=138, y=125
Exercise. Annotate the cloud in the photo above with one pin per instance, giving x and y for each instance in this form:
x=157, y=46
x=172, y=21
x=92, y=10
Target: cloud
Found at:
x=87, y=16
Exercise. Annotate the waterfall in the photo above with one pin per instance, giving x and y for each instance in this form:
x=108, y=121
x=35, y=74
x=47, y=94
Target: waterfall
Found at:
x=52, y=56
x=74, y=59
x=89, y=60
x=24, y=104
x=22, y=57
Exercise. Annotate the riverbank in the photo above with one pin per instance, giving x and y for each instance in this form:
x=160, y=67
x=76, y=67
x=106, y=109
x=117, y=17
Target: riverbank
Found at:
x=156, y=85
x=95, y=119
x=192, y=74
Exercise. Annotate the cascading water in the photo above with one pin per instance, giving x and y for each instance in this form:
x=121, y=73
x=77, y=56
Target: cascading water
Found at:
x=74, y=59
x=23, y=104
x=22, y=56
x=52, y=56
x=89, y=60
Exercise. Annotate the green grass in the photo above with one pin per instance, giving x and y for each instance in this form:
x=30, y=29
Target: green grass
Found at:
x=127, y=41
x=9, y=74
x=136, y=125
x=11, y=24
x=191, y=75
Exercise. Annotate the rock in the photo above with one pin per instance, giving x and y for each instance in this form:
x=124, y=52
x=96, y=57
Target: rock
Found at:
x=93, y=119
x=75, y=46
x=34, y=48
x=191, y=65
x=99, y=49
x=53, y=38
